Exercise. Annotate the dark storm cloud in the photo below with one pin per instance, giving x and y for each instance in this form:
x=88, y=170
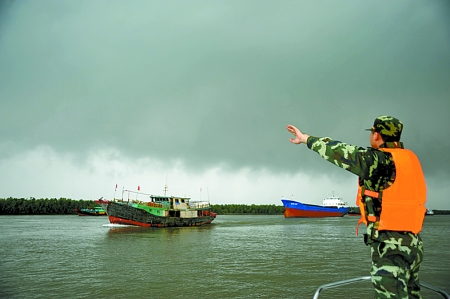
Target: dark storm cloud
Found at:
x=214, y=82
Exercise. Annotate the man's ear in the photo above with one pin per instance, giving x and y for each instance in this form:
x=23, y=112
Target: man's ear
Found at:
x=378, y=137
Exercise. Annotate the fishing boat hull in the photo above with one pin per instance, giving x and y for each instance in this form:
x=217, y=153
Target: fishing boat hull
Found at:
x=91, y=212
x=140, y=215
x=293, y=209
x=354, y=214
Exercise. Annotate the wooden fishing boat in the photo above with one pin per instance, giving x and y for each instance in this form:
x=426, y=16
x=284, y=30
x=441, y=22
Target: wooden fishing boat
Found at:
x=159, y=211
x=96, y=211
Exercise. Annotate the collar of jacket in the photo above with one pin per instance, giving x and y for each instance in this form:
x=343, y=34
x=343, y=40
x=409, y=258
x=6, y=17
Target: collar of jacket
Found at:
x=394, y=144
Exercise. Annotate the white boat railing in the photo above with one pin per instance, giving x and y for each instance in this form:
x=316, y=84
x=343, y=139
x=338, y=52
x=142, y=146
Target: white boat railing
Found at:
x=199, y=204
x=362, y=278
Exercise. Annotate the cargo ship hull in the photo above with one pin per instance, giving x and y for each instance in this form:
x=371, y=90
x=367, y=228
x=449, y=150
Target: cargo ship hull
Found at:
x=293, y=209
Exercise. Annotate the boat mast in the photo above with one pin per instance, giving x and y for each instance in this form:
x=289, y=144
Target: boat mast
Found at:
x=165, y=186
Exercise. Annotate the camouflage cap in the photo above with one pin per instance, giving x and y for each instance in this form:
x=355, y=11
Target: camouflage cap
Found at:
x=387, y=126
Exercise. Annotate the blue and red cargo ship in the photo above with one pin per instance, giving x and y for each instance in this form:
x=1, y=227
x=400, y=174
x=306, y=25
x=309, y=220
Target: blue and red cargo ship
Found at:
x=333, y=206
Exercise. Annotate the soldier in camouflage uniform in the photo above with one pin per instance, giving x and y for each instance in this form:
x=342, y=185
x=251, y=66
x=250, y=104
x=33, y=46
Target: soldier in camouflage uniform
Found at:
x=396, y=255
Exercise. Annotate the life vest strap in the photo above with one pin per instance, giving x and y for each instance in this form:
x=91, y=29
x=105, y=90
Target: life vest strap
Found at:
x=358, y=224
x=372, y=194
x=372, y=218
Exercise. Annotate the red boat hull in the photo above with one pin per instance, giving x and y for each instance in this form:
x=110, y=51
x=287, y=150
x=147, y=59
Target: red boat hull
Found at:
x=118, y=220
x=294, y=213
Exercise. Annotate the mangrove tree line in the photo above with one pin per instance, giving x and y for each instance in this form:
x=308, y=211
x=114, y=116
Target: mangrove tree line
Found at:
x=65, y=206
x=62, y=206
x=42, y=206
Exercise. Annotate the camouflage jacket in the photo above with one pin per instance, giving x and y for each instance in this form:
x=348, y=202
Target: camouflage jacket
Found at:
x=376, y=172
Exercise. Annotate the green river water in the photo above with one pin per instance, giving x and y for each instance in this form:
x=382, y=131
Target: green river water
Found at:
x=237, y=256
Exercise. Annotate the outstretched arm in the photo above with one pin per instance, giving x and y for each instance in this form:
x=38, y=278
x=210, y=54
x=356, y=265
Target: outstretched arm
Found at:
x=351, y=158
x=299, y=136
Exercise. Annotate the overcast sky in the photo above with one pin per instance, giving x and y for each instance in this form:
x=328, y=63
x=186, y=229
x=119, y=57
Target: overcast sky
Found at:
x=197, y=94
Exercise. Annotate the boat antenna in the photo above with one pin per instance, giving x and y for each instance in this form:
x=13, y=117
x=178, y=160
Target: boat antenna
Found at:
x=115, y=192
x=165, y=186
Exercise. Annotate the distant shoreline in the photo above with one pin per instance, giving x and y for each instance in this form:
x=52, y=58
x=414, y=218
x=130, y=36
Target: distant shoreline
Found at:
x=67, y=206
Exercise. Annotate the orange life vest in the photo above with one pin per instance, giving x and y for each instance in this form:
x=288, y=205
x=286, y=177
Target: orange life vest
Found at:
x=402, y=203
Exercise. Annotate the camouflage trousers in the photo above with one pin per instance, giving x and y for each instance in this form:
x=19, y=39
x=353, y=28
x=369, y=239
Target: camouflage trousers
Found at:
x=395, y=269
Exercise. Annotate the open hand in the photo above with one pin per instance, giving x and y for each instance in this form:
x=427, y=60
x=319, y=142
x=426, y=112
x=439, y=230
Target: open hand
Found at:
x=299, y=136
